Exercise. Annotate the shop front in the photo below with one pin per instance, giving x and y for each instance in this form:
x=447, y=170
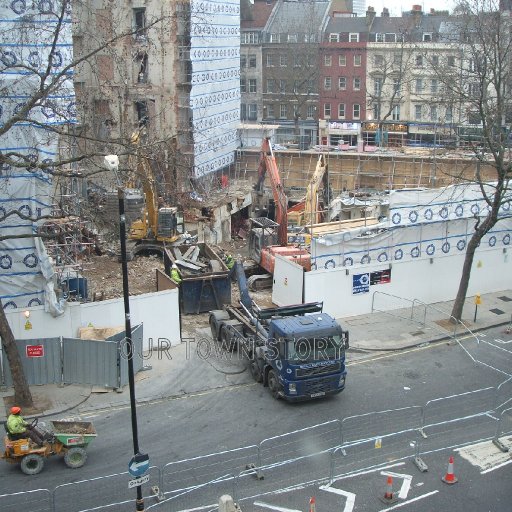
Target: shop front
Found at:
x=339, y=135
x=384, y=134
x=431, y=134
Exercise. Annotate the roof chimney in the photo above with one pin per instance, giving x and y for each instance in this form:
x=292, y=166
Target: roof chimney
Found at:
x=385, y=12
x=370, y=15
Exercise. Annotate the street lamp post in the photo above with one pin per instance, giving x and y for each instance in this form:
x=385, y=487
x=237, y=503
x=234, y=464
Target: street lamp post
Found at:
x=112, y=163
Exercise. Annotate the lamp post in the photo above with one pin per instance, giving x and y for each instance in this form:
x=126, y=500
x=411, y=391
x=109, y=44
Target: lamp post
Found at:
x=112, y=163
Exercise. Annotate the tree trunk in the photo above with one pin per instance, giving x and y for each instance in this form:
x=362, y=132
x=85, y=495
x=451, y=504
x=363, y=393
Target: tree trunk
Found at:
x=22, y=395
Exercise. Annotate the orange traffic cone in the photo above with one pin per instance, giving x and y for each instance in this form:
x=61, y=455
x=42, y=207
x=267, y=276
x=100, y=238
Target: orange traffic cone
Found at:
x=388, y=495
x=450, y=477
x=312, y=504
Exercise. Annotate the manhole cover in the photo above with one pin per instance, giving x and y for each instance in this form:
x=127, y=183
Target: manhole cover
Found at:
x=497, y=311
x=505, y=298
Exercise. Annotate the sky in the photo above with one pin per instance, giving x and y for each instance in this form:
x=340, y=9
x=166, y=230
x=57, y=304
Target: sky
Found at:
x=397, y=6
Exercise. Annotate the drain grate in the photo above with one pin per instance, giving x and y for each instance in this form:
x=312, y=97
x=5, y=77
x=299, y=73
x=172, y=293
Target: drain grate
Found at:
x=497, y=311
x=505, y=298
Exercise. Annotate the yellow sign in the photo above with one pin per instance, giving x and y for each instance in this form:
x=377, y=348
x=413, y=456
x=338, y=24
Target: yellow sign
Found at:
x=378, y=443
x=478, y=300
x=28, y=325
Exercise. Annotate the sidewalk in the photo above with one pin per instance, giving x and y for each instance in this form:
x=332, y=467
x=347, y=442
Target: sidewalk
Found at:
x=194, y=367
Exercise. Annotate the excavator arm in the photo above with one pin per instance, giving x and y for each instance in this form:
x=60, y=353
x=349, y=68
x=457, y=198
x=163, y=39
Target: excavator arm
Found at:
x=268, y=166
x=311, y=213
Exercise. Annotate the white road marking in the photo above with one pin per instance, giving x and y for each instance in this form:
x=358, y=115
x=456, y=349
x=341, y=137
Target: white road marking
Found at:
x=496, y=467
x=503, y=342
x=485, y=455
x=406, y=485
x=410, y=501
x=367, y=472
x=274, y=507
x=351, y=497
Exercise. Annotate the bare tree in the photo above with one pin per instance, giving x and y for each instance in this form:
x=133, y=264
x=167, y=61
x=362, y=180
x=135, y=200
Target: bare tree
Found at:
x=483, y=95
x=41, y=138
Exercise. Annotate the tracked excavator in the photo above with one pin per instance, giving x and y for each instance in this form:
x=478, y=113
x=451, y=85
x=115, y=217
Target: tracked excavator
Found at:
x=269, y=238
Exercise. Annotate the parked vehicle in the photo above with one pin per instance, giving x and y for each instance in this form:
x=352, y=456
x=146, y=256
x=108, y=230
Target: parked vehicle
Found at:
x=67, y=438
x=297, y=351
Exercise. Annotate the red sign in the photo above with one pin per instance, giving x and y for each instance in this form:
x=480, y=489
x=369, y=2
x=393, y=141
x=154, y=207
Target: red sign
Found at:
x=34, y=350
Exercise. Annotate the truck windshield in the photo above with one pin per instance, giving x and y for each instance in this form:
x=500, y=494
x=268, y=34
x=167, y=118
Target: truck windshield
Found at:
x=314, y=349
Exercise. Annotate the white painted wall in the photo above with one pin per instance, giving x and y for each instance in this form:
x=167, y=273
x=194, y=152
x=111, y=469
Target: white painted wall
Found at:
x=158, y=311
x=288, y=282
x=412, y=279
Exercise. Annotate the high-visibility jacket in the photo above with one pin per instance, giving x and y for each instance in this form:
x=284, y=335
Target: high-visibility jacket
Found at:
x=230, y=262
x=16, y=424
x=175, y=275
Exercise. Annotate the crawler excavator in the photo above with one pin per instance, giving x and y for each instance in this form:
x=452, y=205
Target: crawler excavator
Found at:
x=157, y=225
x=267, y=238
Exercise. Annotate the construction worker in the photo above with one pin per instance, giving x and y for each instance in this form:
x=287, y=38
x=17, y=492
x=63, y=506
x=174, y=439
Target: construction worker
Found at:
x=175, y=274
x=18, y=428
x=229, y=261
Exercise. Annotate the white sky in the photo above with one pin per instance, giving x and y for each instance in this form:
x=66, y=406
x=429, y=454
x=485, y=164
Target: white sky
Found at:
x=397, y=6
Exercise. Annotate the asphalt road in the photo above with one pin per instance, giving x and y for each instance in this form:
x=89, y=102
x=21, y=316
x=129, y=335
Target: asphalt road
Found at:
x=226, y=419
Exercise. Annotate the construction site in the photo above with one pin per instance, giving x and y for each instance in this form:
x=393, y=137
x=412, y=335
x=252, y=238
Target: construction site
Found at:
x=84, y=246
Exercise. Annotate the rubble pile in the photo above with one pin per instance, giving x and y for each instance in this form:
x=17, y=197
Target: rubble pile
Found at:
x=198, y=259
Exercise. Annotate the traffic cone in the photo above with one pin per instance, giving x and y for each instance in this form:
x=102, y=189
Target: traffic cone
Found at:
x=388, y=495
x=312, y=504
x=450, y=477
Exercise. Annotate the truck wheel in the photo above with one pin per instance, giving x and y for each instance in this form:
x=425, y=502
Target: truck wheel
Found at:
x=255, y=371
x=273, y=384
x=227, y=340
x=75, y=457
x=32, y=464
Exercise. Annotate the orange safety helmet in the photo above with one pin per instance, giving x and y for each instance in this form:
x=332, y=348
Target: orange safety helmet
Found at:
x=15, y=410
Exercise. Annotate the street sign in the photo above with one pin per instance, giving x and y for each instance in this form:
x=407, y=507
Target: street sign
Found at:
x=138, y=481
x=138, y=464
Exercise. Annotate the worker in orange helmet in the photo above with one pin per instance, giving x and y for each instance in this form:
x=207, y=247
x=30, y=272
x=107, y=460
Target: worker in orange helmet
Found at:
x=18, y=428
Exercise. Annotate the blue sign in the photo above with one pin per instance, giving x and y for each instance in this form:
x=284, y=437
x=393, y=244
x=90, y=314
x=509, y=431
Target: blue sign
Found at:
x=360, y=283
x=138, y=464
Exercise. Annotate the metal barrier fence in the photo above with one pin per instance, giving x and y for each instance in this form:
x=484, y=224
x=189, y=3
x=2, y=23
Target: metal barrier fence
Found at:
x=317, y=453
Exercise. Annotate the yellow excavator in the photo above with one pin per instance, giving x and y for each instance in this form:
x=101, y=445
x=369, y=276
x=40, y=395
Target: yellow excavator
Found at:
x=158, y=225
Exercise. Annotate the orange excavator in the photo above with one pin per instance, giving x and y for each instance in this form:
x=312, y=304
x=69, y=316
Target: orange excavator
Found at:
x=267, y=238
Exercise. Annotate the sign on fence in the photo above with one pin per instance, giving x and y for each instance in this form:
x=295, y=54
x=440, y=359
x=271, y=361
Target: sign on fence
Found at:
x=34, y=350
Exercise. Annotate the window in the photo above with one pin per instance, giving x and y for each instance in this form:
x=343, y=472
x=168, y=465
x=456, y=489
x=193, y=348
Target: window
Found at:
x=434, y=86
x=435, y=60
x=417, y=112
x=376, y=111
x=327, y=83
x=342, y=83
x=252, y=112
x=311, y=86
x=243, y=111
x=433, y=113
x=249, y=38
x=334, y=38
x=141, y=107
x=427, y=37
x=282, y=111
x=296, y=87
x=342, y=60
x=270, y=111
x=311, y=110
x=270, y=60
x=327, y=110
x=282, y=86
x=451, y=62
x=271, y=85
x=397, y=60
x=472, y=65
x=327, y=60
x=396, y=113
x=378, y=60
x=397, y=85
x=418, y=61
x=296, y=61
x=419, y=85
x=243, y=87
x=252, y=61
x=356, y=83
x=274, y=38
x=353, y=37
x=243, y=61
x=377, y=86
x=292, y=38
x=139, y=22
x=283, y=60
x=380, y=38
x=391, y=38
x=474, y=90
x=357, y=60
x=341, y=111
x=449, y=115
x=356, y=110
x=252, y=85
x=142, y=60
